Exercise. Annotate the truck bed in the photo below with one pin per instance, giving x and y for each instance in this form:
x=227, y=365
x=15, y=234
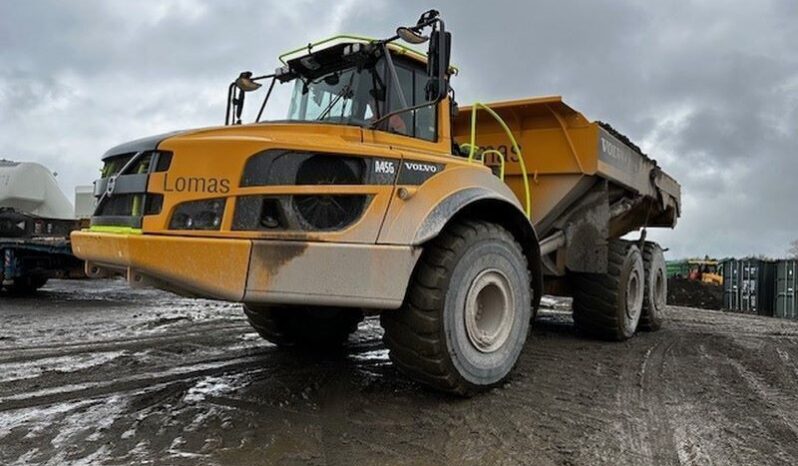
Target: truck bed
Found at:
x=568, y=157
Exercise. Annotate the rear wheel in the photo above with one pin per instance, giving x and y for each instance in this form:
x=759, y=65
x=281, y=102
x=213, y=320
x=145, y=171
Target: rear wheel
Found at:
x=467, y=311
x=608, y=306
x=656, y=287
x=303, y=327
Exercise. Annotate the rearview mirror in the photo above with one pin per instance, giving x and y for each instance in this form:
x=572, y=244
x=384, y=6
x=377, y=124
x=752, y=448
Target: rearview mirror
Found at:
x=245, y=82
x=410, y=36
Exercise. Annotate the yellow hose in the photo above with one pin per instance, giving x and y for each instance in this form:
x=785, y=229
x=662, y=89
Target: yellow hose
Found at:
x=472, y=147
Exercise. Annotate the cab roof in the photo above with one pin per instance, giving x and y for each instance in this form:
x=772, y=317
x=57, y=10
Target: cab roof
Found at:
x=335, y=43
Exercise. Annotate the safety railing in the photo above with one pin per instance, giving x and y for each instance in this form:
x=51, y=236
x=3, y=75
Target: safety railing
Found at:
x=472, y=146
x=482, y=154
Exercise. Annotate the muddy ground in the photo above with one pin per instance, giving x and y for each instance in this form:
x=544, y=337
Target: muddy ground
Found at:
x=92, y=372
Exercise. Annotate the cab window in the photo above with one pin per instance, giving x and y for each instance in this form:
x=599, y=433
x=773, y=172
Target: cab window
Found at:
x=412, y=80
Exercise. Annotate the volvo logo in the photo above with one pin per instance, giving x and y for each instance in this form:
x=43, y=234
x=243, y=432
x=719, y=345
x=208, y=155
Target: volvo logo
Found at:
x=421, y=167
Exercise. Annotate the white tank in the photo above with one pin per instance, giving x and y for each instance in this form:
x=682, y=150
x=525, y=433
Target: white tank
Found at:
x=31, y=188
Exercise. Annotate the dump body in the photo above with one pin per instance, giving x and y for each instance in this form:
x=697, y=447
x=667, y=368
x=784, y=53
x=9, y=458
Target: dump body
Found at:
x=567, y=156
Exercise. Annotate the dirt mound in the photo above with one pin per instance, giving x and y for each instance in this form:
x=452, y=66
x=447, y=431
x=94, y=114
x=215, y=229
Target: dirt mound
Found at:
x=683, y=292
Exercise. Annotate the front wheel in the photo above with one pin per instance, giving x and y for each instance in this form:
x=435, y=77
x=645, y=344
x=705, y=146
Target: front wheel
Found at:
x=467, y=311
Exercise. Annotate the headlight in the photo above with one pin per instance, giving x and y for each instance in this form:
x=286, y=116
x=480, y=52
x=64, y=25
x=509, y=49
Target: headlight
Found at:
x=198, y=215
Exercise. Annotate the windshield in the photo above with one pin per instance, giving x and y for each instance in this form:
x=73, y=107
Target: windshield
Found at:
x=353, y=95
x=347, y=97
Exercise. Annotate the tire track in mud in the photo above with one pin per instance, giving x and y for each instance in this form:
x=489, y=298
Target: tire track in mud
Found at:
x=60, y=394
x=209, y=363
x=563, y=395
x=729, y=393
x=28, y=353
x=658, y=434
x=708, y=388
x=769, y=388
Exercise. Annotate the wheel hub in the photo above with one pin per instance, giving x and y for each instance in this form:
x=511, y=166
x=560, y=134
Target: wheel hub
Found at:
x=489, y=311
x=634, y=294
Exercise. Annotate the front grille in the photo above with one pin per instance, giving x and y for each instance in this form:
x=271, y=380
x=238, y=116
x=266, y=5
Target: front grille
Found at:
x=129, y=201
x=158, y=160
x=131, y=204
x=120, y=204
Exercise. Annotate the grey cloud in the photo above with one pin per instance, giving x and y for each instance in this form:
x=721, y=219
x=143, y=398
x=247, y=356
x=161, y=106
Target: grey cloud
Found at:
x=709, y=88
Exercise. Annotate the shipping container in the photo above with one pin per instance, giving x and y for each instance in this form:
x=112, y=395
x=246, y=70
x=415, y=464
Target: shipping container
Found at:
x=749, y=286
x=786, y=286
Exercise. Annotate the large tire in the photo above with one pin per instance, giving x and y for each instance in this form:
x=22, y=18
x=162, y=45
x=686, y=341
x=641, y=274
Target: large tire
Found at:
x=466, y=313
x=25, y=286
x=318, y=328
x=656, y=288
x=608, y=306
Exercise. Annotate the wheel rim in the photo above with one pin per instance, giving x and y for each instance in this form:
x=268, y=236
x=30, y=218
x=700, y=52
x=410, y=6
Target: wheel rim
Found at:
x=634, y=295
x=489, y=311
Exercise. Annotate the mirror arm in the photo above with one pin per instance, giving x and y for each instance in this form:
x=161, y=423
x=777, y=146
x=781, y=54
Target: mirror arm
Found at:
x=239, y=105
x=265, y=76
x=235, y=103
x=266, y=99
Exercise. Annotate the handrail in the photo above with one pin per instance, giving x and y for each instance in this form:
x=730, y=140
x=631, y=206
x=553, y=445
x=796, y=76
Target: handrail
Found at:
x=491, y=151
x=501, y=159
x=516, y=148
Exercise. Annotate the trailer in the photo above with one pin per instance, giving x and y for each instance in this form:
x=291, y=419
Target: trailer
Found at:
x=36, y=220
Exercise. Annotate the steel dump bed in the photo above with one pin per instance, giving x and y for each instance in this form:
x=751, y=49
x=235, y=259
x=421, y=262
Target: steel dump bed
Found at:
x=567, y=157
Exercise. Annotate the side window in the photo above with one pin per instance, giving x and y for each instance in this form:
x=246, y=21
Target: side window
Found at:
x=403, y=122
x=426, y=117
x=420, y=123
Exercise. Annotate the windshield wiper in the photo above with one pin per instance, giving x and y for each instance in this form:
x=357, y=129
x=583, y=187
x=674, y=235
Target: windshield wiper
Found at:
x=346, y=90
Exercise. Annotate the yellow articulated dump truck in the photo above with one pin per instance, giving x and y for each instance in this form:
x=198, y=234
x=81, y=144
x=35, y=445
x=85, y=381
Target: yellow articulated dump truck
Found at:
x=377, y=195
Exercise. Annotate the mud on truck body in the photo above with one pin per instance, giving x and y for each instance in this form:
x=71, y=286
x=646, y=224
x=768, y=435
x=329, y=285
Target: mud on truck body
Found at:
x=376, y=195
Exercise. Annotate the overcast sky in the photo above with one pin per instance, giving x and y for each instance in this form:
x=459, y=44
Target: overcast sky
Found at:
x=708, y=88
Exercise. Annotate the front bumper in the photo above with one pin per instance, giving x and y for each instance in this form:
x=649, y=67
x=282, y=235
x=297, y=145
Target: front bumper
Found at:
x=255, y=271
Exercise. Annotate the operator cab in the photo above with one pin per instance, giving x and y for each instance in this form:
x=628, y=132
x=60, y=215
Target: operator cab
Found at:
x=360, y=93
x=374, y=84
